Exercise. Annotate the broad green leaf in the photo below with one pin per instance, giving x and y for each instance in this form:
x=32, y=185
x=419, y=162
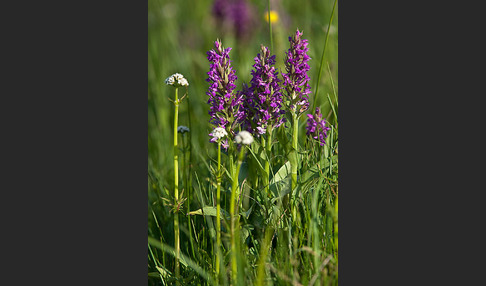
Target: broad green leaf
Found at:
x=282, y=173
x=293, y=157
x=283, y=139
x=281, y=188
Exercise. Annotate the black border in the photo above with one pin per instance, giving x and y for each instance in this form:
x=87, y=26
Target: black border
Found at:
x=74, y=150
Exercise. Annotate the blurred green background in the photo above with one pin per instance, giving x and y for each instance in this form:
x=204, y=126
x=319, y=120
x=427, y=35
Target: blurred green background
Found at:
x=181, y=32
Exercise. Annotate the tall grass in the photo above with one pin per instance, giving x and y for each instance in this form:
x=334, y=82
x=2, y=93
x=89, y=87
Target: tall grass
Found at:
x=274, y=245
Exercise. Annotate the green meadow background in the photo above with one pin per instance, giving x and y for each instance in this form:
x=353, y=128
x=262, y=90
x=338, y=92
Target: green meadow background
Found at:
x=179, y=35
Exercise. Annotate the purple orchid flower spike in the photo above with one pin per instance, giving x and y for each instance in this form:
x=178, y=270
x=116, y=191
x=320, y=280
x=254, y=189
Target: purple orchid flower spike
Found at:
x=316, y=127
x=296, y=80
x=225, y=103
x=263, y=100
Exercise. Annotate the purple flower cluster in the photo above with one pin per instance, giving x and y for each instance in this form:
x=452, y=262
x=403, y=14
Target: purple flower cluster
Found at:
x=225, y=104
x=235, y=15
x=261, y=105
x=317, y=127
x=263, y=100
x=296, y=80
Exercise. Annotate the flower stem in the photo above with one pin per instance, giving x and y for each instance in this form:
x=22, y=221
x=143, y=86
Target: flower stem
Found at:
x=218, y=212
x=268, y=148
x=266, y=176
x=176, y=189
x=234, y=227
x=295, y=134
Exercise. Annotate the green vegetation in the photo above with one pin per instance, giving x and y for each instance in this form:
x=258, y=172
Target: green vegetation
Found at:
x=287, y=230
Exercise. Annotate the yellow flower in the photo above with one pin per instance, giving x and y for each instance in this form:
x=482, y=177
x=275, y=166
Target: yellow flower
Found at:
x=273, y=16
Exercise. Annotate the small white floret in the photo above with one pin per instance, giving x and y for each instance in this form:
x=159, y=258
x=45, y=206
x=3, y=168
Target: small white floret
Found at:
x=244, y=137
x=176, y=80
x=219, y=133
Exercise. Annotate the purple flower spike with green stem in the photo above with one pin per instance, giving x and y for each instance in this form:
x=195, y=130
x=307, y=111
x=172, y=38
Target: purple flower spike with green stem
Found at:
x=225, y=103
x=263, y=98
x=296, y=85
x=263, y=104
x=225, y=109
x=296, y=80
x=316, y=127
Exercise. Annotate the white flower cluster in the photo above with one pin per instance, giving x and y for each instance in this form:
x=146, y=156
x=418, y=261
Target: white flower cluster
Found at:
x=176, y=80
x=219, y=133
x=244, y=137
x=182, y=129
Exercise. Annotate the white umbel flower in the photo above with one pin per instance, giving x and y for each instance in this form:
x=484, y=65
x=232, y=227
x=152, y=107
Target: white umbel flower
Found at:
x=219, y=133
x=244, y=137
x=182, y=129
x=176, y=80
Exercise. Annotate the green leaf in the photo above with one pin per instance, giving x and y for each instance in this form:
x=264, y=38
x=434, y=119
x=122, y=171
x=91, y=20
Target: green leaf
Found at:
x=255, y=157
x=293, y=157
x=164, y=272
x=182, y=258
x=246, y=214
x=154, y=274
x=281, y=188
x=283, y=139
x=211, y=211
x=282, y=173
x=243, y=173
x=246, y=231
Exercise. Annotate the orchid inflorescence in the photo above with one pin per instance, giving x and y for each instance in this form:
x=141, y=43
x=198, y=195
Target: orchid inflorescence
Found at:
x=263, y=100
x=226, y=109
x=316, y=127
x=296, y=80
x=263, y=103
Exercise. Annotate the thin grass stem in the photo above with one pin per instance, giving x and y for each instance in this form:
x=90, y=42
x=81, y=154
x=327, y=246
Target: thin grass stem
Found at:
x=322, y=58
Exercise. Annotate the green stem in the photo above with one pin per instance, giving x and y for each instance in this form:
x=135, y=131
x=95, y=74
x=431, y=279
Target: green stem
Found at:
x=266, y=175
x=176, y=189
x=295, y=136
x=322, y=58
x=268, y=149
x=218, y=212
x=234, y=188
